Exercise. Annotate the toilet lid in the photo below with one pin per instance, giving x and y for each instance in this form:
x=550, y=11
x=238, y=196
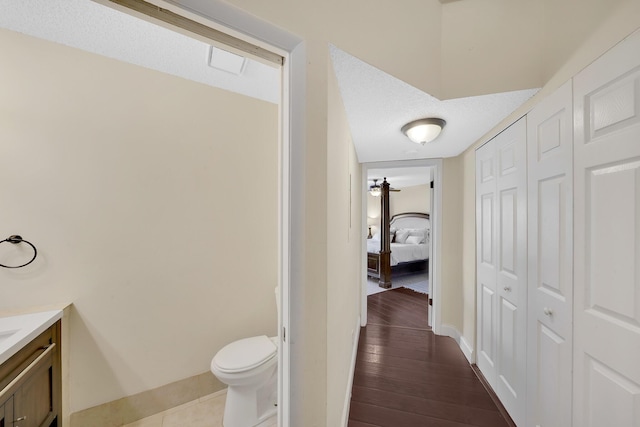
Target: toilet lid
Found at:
x=245, y=354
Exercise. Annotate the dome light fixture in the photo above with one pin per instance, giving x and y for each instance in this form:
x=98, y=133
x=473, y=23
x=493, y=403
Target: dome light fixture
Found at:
x=422, y=131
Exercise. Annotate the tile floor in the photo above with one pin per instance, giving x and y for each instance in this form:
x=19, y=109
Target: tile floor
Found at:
x=204, y=412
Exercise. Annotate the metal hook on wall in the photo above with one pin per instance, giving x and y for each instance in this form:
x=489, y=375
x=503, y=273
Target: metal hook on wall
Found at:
x=15, y=239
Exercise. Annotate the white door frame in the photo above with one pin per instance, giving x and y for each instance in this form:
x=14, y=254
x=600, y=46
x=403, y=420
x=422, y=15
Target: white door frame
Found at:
x=291, y=165
x=436, y=234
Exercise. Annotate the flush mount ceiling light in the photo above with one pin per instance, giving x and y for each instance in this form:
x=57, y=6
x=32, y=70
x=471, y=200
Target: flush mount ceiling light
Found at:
x=423, y=130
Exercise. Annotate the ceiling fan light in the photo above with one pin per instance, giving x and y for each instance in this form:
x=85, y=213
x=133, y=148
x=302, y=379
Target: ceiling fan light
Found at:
x=423, y=130
x=375, y=191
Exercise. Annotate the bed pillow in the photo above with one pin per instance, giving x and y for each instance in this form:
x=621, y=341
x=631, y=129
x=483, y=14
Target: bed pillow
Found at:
x=401, y=235
x=414, y=240
x=422, y=233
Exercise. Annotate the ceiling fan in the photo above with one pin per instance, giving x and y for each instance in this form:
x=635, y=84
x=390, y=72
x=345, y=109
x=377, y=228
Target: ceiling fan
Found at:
x=376, y=190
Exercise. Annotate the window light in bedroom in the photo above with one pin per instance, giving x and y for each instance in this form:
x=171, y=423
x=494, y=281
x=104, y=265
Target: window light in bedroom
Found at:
x=423, y=130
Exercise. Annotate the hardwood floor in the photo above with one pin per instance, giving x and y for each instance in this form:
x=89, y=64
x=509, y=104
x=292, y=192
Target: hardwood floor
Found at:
x=406, y=376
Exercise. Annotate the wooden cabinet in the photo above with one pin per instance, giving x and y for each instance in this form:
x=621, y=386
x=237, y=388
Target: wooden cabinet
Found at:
x=373, y=265
x=30, y=383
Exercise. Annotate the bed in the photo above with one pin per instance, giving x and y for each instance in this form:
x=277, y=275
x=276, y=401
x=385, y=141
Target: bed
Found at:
x=409, y=246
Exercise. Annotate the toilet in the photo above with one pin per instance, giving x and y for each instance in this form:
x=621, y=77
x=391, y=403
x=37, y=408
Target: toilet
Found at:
x=249, y=368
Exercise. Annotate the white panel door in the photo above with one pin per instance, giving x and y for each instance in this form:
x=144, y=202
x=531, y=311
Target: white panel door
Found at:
x=511, y=272
x=486, y=172
x=501, y=216
x=550, y=276
x=607, y=239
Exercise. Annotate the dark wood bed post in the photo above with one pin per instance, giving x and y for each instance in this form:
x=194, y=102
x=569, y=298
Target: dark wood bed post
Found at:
x=385, y=241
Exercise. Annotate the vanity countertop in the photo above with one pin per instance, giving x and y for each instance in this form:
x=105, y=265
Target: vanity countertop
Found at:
x=18, y=330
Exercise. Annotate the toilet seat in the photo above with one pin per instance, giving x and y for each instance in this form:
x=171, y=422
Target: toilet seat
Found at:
x=245, y=354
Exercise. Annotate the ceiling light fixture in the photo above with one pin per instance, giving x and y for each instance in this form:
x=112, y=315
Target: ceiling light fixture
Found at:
x=423, y=130
x=375, y=190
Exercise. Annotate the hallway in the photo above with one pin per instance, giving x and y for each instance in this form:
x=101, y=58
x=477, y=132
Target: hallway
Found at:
x=406, y=376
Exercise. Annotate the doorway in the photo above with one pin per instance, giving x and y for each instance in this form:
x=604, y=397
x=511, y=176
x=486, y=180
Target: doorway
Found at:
x=431, y=171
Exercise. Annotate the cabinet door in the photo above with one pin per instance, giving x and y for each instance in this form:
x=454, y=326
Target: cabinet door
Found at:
x=550, y=310
x=6, y=413
x=607, y=239
x=33, y=401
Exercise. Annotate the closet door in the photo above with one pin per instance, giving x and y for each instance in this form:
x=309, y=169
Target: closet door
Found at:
x=607, y=239
x=550, y=276
x=511, y=274
x=486, y=187
x=502, y=265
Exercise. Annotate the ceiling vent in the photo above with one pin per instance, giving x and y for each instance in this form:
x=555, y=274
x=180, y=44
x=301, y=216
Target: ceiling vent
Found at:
x=226, y=61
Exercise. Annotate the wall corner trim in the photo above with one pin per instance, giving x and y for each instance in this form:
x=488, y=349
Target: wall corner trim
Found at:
x=352, y=372
x=467, y=349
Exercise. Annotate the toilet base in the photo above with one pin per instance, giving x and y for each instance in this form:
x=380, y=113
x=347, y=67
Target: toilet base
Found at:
x=250, y=407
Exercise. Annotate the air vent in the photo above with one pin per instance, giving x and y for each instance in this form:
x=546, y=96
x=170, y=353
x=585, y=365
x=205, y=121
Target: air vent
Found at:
x=226, y=61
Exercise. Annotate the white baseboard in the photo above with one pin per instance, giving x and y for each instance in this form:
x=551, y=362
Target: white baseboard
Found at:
x=451, y=331
x=352, y=372
x=467, y=349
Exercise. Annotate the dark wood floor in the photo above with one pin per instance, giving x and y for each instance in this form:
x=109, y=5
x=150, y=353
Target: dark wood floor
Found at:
x=408, y=377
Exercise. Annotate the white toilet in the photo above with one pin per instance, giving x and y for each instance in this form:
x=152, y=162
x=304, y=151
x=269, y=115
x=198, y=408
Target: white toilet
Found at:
x=249, y=367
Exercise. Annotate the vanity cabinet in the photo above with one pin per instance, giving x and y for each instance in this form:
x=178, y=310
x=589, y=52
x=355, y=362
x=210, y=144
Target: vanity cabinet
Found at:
x=30, y=383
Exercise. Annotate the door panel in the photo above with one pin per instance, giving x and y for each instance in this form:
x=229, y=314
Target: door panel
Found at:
x=607, y=239
x=502, y=265
x=512, y=269
x=486, y=260
x=549, y=323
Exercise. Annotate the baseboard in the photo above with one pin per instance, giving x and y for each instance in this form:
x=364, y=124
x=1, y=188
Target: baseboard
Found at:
x=467, y=349
x=352, y=372
x=150, y=402
x=493, y=395
x=450, y=331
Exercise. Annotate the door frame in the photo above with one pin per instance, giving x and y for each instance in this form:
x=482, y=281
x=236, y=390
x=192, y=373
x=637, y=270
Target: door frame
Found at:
x=291, y=168
x=435, y=261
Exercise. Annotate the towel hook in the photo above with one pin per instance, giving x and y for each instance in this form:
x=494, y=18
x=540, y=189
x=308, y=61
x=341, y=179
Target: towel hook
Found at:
x=15, y=239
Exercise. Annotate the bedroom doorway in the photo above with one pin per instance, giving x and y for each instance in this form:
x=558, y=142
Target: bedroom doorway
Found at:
x=414, y=205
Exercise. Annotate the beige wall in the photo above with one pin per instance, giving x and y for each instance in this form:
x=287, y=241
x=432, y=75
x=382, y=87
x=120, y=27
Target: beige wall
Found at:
x=623, y=18
x=411, y=199
x=344, y=240
x=404, y=41
x=138, y=190
x=451, y=277
x=500, y=45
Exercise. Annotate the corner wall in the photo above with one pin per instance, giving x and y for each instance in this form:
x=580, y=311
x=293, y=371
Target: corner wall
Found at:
x=344, y=238
x=138, y=190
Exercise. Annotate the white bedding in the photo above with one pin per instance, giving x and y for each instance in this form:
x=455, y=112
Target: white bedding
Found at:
x=401, y=252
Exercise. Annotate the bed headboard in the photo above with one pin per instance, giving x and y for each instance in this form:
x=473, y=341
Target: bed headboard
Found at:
x=410, y=220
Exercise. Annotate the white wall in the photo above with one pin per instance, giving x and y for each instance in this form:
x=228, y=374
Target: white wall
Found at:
x=344, y=238
x=139, y=190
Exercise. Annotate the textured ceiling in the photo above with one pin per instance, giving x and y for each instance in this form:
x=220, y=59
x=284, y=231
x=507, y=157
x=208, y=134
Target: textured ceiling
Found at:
x=378, y=105
x=96, y=28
